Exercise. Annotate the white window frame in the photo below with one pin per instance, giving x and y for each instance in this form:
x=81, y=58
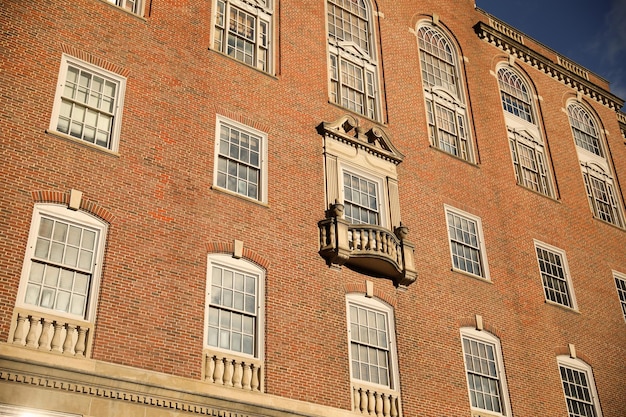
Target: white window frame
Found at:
x=620, y=286
x=131, y=6
x=120, y=81
x=481, y=241
x=439, y=96
x=263, y=45
x=522, y=132
x=263, y=173
x=484, y=337
x=373, y=304
x=79, y=218
x=246, y=267
x=351, y=53
x=383, y=203
x=567, y=277
x=580, y=366
x=597, y=166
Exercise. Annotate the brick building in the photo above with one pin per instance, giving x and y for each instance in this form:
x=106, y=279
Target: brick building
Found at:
x=315, y=208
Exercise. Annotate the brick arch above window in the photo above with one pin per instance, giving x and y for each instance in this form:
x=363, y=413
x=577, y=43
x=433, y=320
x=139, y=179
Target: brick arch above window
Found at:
x=247, y=254
x=63, y=197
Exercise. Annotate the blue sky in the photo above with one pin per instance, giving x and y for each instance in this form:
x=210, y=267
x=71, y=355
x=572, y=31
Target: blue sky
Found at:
x=591, y=33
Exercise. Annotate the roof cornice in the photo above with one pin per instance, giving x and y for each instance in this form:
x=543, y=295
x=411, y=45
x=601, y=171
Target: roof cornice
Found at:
x=562, y=71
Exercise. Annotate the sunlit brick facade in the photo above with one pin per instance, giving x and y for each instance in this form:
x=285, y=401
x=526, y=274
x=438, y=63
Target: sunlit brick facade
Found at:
x=255, y=208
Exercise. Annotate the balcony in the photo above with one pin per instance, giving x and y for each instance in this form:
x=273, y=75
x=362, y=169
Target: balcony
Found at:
x=371, y=249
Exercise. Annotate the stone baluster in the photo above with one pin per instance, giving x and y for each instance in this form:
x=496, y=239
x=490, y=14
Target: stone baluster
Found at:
x=363, y=402
x=323, y=241
x=333, y=240
x=210, y=368
x=386, y=404
x=31, y=337
x=228, y=372
x=246, y=377
x=218, y=376
x=56, y=338
x=394, y=407
x=44, y=337
x=18, y=335
x=237, y=375
x=256, y=379
x=81, y=342
x=378, y=408
x=69, y=336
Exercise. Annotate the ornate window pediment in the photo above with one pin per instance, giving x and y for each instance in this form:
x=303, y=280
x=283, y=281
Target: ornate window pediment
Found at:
x=362, y=228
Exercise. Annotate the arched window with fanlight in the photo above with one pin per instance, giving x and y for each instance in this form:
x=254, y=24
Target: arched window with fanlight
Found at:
x=353, y=64
x=600, y=184
x=526, y=142
x=446, y=107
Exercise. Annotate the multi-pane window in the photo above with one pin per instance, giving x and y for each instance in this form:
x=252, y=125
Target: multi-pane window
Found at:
x=528, y=151
x=133, y=6
x=445, y=102
x=579, y=388
x=484, y=371
x=88, y=104
x=620, y=284
x=584, y=129
x=243, y=30
x=596, y=170
x=62, y=261
x=232, y=321
x=370, y=331
x=554, y=275
x=466, y=243
x=240, y=160
x=514, y=93
x=352, y=60
x=360, y=197
x=529, y=163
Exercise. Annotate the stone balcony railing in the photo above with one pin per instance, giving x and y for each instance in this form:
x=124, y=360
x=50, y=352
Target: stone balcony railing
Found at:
x=368, y=248
x=47, y=332
x=378, y=402
x=231, y=371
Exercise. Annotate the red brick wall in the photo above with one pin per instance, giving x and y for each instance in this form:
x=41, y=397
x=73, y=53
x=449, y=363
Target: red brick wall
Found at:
x=165, y=214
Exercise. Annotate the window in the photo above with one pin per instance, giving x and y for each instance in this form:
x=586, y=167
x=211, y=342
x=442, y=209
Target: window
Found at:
x=578, y=387
x=88, y=103
x=372, y=354
x=466, y=242
x=353, y=68
x=234, y=305
x=528, y=151
x=485, y=371
x=241, y=160
x=360, y=199
x=63, y=261
x=584, y=129
x=595, y=167
x=133, y=6
x=445, y=100
x=243, y=30
x=620, y=284
x=554, y=275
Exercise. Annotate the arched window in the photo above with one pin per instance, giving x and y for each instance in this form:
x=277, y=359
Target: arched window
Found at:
x=528, y=151
x=484, y=370
x=353, y=68
x=584, y=129
x=596, y=169
x=445, y=100
x=579, y=387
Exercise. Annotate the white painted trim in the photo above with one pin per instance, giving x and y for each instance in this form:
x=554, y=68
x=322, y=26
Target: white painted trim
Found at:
x=486, y=337
x=247, y=267
x=119, y=80
x=81, y=218
x=481, y=240
x=580, y=365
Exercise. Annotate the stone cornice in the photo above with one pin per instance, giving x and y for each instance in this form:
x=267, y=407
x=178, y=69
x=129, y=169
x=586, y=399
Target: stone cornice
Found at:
x=553, y=69
x=20, y=366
